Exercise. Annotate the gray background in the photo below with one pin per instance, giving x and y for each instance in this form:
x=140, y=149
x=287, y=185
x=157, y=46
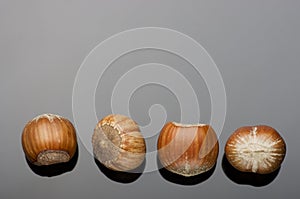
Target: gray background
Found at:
x=42, y=44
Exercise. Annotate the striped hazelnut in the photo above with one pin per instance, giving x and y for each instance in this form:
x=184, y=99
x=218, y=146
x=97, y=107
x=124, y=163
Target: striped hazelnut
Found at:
x=49, y=139
x=187, y=150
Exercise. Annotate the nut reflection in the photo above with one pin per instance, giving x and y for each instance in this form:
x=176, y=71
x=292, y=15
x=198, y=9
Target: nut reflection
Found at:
x=246, y=178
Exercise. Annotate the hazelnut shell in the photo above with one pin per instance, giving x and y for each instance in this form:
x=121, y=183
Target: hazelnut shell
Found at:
x=118, y=143
x=49, y=139
x=258, y=149
x=187, y=150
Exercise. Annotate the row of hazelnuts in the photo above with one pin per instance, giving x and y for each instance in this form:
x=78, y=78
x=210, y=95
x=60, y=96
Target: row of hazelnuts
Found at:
x=183, y=149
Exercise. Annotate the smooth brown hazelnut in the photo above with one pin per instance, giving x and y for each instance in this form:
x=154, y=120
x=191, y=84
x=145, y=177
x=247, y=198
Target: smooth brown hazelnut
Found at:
x=187, y=150
x=258, y=149
x=49, y=139
x=118, y=143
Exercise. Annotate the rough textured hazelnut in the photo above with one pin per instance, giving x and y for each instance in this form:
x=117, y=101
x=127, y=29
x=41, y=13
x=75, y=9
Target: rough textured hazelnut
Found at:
x=49, y=139
x=187, y=150
x=118, y=143
x=258, y=149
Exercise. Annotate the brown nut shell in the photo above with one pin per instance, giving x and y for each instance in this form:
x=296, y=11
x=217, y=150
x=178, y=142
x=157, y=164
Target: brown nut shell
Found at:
x=118, y=143
x=258, y=149
x=49, y=139
x=187, y=150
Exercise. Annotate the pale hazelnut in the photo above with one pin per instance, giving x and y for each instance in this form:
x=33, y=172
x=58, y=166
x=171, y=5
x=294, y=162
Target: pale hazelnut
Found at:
x=118, y=143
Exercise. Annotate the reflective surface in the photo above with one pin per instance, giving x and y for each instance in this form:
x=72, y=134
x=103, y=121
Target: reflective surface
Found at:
x=255, y=45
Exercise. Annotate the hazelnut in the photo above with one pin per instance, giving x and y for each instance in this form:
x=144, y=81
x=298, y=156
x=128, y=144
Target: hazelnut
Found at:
x=187, y=150
x=118, y=143
x=258, y=149
x=49, y=139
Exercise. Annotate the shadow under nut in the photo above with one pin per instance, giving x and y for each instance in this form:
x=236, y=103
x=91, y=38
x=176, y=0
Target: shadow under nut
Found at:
x=118, y=143
x=258, y=149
